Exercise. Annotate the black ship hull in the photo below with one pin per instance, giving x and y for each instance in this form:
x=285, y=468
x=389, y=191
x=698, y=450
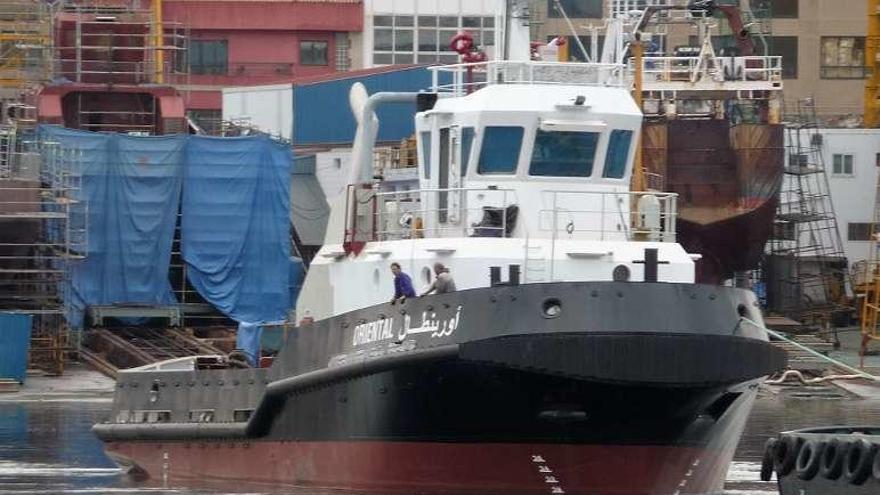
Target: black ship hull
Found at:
x=624, y=388
x=825, y=461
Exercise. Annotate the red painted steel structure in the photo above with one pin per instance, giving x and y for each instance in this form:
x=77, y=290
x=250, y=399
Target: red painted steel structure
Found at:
x=115, y=71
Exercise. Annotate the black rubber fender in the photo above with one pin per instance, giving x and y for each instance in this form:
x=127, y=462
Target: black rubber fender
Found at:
x=831, y=465
x=786, y=454
x=767, y=460
x=807, y=463
x=859, y=460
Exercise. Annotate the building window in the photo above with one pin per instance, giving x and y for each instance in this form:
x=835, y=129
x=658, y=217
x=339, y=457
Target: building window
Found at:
x=843, y=57
x=313, y=53
x=208, y=57
x=401, y=39
x=787, y=48
x=842, y=164
x=342, y=58
x=778, y=9
x=577, y=9
x=858, y=231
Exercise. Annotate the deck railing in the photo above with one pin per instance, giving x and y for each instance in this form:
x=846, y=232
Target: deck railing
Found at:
x=719, y=69
x=494, y=212
x=469, y=77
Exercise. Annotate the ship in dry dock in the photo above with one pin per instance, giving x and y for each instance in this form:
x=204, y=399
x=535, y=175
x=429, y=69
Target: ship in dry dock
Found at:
x=712, y=130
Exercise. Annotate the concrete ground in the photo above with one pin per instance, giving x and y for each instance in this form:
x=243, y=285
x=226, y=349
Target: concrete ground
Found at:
x=850, y=343
x=78, y=383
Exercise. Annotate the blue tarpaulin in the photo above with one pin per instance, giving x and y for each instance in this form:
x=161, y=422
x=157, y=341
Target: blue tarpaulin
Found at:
x=130, y=188
x=15, y=340
x=234, y=227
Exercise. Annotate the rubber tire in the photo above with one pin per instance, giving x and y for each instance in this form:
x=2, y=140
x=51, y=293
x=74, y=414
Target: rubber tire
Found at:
x=767, y=460
x=831, y=462
x=858, y=470
x=807, y=464
x=876, y=468
x=786, y=454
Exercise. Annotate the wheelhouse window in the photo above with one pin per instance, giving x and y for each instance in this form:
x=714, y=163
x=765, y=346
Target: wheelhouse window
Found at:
x=425, y=137
x=564, y=153
x=467, y=139
x=500, y=151
x=618, y=151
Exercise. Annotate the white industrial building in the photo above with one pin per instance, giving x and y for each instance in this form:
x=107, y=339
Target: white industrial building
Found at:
x=852, y=158
x=418, y=31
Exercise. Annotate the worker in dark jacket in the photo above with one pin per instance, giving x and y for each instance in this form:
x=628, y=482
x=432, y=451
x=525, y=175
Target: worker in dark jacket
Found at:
x=403, y=286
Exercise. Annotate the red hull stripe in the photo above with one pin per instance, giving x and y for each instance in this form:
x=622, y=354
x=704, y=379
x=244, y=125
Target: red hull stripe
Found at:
x=438, y=467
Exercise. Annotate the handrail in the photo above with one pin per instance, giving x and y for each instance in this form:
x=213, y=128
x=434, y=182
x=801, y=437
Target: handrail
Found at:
x=525, y=72
x=655, y=222
x=753, y=68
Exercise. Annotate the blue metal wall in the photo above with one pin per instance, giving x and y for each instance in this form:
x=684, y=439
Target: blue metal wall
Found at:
x=15, y=340
x=322, y=115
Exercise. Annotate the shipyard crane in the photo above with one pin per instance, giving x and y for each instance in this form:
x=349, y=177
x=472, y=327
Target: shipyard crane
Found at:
x=706, y=8
x=867, y=272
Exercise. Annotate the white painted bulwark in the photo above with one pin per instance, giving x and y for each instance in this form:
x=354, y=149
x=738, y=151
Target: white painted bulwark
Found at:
x=268, y=108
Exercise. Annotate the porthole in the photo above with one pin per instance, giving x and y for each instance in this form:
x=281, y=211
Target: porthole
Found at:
x=551, y=308
x=621, y=273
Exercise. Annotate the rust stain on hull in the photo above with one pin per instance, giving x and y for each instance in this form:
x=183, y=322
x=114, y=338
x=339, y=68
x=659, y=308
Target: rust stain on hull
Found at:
x=728, y=179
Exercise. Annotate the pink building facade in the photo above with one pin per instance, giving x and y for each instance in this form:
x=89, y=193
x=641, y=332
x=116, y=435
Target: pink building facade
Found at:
x=241, y=42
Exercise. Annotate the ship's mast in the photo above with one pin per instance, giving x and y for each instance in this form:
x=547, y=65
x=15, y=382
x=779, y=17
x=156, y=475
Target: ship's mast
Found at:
x=513, y=19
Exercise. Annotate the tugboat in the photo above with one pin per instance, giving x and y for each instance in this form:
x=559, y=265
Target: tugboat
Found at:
x=577, y=354
x=841, y=460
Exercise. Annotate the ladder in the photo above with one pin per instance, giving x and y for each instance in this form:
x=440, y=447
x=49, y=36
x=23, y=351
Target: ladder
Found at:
x=535, y=263
x=868, y=282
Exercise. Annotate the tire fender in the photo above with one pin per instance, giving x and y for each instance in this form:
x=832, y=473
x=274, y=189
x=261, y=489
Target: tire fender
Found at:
x=807, y=463
x=859, y=460
x=831, y=461
x=786, y=454
x=767, y=460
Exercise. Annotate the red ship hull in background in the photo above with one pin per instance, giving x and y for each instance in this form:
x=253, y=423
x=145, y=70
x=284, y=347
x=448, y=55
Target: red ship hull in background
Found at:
x=114, y=72
x=728, y=178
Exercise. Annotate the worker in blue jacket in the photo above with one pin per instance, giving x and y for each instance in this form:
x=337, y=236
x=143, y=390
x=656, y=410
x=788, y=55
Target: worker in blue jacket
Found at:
x=403, y=286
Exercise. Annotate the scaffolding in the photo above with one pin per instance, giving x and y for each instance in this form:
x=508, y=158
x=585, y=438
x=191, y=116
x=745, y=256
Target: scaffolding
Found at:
x=806, y=270
x=42, y=231
x=25, y=46
x=117, y=44
x=119, y=61
x=866, y=282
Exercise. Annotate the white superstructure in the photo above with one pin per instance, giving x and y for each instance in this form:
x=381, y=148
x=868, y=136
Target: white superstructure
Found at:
x=524, y=172
x=520, y=163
